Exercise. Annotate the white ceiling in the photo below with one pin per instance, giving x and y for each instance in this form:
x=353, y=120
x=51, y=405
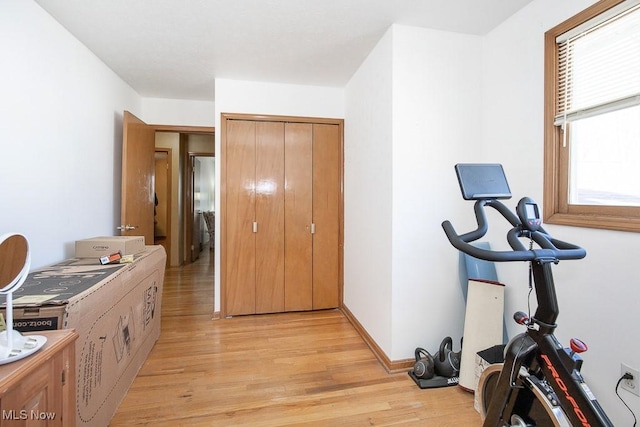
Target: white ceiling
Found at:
x=176, y=48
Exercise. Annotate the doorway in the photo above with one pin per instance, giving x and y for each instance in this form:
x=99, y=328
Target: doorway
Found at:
x=182, y=144
x=160, y=217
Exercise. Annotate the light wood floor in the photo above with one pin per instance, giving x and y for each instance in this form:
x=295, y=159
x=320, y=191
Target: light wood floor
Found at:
x=310, y=369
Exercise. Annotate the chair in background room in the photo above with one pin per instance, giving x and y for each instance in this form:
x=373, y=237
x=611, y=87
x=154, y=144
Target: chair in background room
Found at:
x=210, y=220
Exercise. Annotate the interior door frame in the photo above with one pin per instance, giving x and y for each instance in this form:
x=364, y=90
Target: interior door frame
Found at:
x=224, y=117
x=183, y=130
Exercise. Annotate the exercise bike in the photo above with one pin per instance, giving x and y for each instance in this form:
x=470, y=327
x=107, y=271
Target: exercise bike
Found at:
x=539, y=383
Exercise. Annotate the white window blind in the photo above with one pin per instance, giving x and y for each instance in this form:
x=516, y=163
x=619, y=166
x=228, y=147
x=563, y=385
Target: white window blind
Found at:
x=599, y=66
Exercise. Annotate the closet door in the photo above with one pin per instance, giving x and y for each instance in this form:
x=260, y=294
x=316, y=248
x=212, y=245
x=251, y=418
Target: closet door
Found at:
x=282, y=215
x=240, y=215
x=327, y=166
x=269, y=217
x=298, y=216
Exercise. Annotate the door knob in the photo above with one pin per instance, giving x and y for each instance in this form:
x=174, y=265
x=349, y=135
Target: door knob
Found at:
x=127, y=227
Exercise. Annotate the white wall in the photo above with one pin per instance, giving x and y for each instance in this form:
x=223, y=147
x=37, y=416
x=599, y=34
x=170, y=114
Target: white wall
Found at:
x=178, y=112
x=238, y=96
x=61, y=134
x=368, y=179
x=436, y=124
x=412, y=113
x=235, y=96
x=599, y=295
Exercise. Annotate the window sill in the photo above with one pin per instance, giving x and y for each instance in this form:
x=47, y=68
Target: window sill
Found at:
x=595, y=221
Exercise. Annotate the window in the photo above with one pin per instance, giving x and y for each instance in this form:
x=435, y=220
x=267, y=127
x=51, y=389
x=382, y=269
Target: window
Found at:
x=592, y=118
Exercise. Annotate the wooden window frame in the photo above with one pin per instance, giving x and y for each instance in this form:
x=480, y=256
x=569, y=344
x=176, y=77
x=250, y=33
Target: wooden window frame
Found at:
x=557, y=209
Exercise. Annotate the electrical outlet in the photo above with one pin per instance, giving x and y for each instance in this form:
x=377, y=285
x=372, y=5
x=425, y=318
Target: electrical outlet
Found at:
x=632, y=385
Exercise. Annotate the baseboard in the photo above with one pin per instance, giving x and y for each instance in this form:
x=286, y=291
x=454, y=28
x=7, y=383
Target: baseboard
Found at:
x=391, y=366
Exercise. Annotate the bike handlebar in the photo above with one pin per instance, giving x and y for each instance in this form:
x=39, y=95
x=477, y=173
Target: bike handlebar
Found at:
x=551, y=249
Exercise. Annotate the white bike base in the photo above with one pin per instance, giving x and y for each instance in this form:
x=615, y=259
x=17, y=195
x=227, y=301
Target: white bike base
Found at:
x=22, y=346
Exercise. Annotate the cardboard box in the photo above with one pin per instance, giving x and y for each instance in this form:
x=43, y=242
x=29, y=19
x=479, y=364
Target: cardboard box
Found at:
x=114, y=308
x=46, y=318
x=484, y=359
x=107, y=245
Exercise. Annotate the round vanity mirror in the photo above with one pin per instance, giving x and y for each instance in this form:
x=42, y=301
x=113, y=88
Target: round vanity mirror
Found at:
x=15, y=261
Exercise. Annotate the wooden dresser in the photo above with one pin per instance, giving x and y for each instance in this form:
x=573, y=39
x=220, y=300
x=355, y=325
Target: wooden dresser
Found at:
x=40, y=389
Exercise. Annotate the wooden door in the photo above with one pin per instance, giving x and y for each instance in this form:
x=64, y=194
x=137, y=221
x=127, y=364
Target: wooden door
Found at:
x=240, y=259
x=269, y=217
x=282, y=181
x=138, y=169
x=327, y=178
x=298, y=216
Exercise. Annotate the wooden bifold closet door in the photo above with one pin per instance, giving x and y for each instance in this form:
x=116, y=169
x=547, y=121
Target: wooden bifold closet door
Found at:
x=283, y=204
x=327, y=184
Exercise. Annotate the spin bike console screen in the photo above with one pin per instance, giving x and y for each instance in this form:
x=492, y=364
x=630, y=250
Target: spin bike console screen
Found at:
x=482, y=181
